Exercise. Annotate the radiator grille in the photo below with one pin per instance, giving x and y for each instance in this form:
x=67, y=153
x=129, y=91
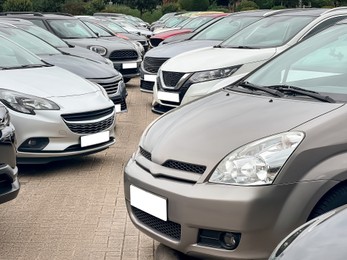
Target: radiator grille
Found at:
x=152, y=65
x=188, y=167
x=172, y=78
x=123, y=55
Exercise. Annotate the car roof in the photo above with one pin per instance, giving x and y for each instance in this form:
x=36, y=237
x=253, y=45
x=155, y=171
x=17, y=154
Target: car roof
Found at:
x=38, y=15
x=15, y=21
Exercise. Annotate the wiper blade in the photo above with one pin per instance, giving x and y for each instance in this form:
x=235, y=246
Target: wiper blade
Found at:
x=244, y=47
x=27, y=66
x=251, y=86
x=296, y=90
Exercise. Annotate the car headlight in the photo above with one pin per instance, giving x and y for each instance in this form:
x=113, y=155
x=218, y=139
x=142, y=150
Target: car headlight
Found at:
x=257, y=163
x=213, y=74
x=98, y=49
x=25, y=103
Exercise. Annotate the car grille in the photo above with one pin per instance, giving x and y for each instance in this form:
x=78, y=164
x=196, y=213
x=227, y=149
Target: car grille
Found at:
x=5, y=182
x=153, y=64
x=123, y=55
x=118, y=100
x=187, y=167
x=145, y=154
x=168, y=228
x=146, y=85
x=126, y=72
x=80, y=122
x=109, y=84
x=155, y=41
x=172, y=78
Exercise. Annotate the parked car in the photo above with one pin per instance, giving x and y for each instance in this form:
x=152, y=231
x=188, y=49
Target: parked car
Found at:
x=231, y=174
x=102, y=74
x=131, y=28
x=56, y=113
x=189, y=27
x=193, y=74
x=55, y=40
x=307, y=241
x=115, y=29
x=124, y=56
x=9, y=184
x=209, y=37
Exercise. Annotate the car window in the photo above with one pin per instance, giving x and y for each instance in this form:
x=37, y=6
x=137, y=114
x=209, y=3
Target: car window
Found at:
x=12, y=55
x=318, y=64
x=70, y=29
x=39, y=23
x=114, y=27
x=197, y=22
x=45, y=35
x=28, y=41
x=95, y=28
x=323, y=25
x=269, y=32
x=225, y=28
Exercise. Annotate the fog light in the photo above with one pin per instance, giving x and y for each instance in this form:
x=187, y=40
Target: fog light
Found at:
x=230, y=240
x=34, y=144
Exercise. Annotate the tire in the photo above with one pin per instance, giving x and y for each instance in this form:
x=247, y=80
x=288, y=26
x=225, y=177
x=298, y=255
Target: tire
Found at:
x=333, y=199
x=126, y=80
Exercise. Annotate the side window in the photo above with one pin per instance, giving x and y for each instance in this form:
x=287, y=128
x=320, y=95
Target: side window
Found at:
x=39, y=23
x=323, y=25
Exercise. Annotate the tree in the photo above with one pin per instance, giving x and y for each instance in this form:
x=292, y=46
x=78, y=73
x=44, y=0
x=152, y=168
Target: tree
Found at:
x=143, y=5
x=194, y=5
x=47, y=5
x=247, y=5
x=17, y=5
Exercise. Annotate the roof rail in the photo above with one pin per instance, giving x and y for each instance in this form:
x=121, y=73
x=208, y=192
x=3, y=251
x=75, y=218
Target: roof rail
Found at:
x=26, y=13
x=59, y=13
x=8, y=24
x=335, y=9
x=281, y=11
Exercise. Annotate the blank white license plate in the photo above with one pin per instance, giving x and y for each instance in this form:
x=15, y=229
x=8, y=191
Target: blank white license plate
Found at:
x=151, y=78
x=118, y=108
x=97, y=138
x=129, y=65
x=148, y=202
x=174, y=97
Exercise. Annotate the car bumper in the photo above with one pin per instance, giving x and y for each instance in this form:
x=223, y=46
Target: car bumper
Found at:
x=261, y=218
x=129, y=69
x=9, y=184
x=147, y=80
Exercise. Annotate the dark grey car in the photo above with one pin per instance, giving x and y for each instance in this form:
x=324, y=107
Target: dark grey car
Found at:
x=124, y=56
x=100, y=73
x=9, y=184
x=231, y=174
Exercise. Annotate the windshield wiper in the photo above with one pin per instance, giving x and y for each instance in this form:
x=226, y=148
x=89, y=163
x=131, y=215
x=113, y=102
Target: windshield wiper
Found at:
x=251, y=86
x=27, y=66
x=286, y=89
x=244, y=47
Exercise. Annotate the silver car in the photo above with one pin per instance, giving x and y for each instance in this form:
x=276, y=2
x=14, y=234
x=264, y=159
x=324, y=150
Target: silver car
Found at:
x=231, y=174
x=56, y=113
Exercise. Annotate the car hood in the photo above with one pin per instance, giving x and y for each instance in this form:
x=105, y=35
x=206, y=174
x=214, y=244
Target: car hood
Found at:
x=167, y=34
x=82, y=52
x=83, y=67
x=215, y=58
x=46, y=82
x=205, y=131
x=110, y=45
x=174, y=49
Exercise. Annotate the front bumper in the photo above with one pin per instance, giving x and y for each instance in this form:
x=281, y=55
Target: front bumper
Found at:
x=129, y=69
x=147, y=80
x=9, y=184
x=263, y=215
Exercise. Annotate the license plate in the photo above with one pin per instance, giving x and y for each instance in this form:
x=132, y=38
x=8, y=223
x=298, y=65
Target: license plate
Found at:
x=151, y=78
x=97, y=138
x=173, y=97
x=129, y=65
x=118, y=108
x=148, y=202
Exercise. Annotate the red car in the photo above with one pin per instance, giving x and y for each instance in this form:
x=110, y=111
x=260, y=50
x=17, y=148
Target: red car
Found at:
x=187, y=26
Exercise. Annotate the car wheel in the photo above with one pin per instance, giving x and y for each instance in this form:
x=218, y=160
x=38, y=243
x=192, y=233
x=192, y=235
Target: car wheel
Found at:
x=126, y=80
x=333, y=199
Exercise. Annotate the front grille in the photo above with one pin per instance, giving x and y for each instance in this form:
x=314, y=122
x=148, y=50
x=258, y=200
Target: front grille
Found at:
x=152, y=65
x=123, y=55
x=155, y=41
x=188, y=167
x=109, y=84
x=5, y=182
x=118, y=100
x=129, y=71
x=168, y=228
x=145, y=154
x=146, y=85
x=76, y=123
x=172, y=78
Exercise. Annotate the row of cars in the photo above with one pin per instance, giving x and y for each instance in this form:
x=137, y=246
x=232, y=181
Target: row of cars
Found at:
x=61, y=86
x=234, y=172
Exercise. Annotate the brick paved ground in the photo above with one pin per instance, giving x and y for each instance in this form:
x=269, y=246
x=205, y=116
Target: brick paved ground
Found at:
x=75, y=209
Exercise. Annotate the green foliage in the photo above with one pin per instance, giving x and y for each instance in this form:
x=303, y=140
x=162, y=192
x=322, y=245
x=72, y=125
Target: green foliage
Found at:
x=47, y=5
x=153, y=16
x=94, y=6
x=169, y=8
x=194, y=5
x=17, y=5
x=217, y=8
x=321, y=3
x=123, y=9
x=247, y=5
x=142, y=5
x=278, y=7
x=74, y=7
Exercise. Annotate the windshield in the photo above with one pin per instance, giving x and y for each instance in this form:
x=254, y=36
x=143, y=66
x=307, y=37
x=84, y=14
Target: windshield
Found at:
x=97, y=29
x=225, y=28
x=197, y=22
x=114, y=27
x=28, y=41
x=173, y=21
x=45, y=35
x=316, y=64
x=71, y=29
x=269, y=32
x=13, y=56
